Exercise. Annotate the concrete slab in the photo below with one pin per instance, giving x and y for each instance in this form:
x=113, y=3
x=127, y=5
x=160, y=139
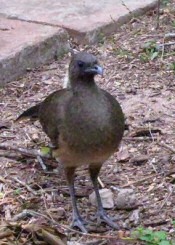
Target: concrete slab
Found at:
x=83, y=19
x=35, y=34
x=26, y=45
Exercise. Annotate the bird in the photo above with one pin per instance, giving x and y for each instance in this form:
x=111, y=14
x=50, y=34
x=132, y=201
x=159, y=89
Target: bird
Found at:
x=85, y=125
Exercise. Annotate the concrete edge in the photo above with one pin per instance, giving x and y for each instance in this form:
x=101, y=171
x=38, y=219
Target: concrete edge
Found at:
x=56, y=45
x=96, y=35
x=34, y=55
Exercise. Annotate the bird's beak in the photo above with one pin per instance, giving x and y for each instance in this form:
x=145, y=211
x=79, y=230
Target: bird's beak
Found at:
x=96, y=69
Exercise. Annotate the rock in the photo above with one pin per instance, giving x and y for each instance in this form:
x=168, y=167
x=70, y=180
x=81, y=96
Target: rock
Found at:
x=123, y=154
x=139, y=160
x=126, y=199
x=135, y=217
x=35, y=137
x=107, y=198
x=61, y=212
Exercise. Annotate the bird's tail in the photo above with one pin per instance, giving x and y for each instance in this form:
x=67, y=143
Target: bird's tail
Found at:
x=31, y=113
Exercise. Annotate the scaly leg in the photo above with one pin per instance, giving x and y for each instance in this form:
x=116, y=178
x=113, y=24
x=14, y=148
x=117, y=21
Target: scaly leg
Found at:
x=101, y=214
x=77, y=220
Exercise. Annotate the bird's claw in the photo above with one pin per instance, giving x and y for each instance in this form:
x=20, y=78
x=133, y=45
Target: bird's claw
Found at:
x=102, y=217
x=79, y=223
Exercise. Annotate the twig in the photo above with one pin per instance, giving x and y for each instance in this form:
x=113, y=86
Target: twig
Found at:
x=12, y=156
x=170, y=54
x=163, y=48
x=156, y=223
x=149, y=128
x=170, y=35
x=124, y=4
x=40, y=160
x=23, y=151
x=112, y=19
x=158, y=14
x=167, y=197
x=22, y=215
x=167, y=147
x=152, y=165
x=6, y=234
x=100, y=182
x=27, y=212
x=166, y=44
x=25, y=185
x=170, y=173
x=146, y=178
x=4, y=29
x=139, y=181
x=45, y=202
x=141, y=138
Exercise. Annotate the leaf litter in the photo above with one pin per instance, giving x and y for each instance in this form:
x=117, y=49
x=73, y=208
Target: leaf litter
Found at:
x=35, y=205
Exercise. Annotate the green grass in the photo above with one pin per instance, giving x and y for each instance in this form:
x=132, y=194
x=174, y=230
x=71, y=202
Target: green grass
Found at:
x=150, y=51
x=150, y=237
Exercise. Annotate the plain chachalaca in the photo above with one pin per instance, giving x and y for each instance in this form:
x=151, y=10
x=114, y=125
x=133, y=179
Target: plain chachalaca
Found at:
x=85, y=125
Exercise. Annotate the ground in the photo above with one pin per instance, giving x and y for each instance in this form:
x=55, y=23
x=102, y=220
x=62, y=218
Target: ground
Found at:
x=141, y=77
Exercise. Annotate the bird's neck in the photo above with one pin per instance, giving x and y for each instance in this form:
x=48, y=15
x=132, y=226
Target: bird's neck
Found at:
x=83, y=83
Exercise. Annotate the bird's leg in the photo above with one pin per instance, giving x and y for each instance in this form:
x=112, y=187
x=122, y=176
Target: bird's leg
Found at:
x=101, y=213
x=77, y=220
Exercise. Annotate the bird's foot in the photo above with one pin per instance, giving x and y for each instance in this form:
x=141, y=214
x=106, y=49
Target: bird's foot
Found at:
x=102, y=217
x=79, y=223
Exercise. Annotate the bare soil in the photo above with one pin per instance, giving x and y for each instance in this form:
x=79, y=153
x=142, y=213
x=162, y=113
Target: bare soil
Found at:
x=145, y=162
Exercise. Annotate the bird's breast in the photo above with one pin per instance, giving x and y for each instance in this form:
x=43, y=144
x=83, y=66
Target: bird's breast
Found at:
x=91, y=125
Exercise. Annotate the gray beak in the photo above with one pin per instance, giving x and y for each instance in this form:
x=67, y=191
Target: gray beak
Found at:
x=95, y=70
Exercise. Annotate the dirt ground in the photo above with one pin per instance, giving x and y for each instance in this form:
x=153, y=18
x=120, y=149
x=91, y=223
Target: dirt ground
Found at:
x=142, y=78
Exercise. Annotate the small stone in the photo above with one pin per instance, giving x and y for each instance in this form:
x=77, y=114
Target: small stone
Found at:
x=126, y=199
x=45, y=77
x=139, y=160
x=35, y=137
x=123, y=154
x=107, y=198
x=61, y=212
x=135, y=217
x=47, y=81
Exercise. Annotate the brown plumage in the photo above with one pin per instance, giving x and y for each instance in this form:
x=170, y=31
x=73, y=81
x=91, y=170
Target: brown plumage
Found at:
x=84, y=123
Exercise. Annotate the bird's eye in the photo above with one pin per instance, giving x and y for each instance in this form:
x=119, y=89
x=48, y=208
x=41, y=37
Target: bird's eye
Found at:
x=80, y=64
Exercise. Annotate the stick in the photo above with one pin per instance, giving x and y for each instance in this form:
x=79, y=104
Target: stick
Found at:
x=23, y=151
x=167, y=147
x=138, y=181
x=166, y=44
x=124, y=4
x=146, y=178
x=158, y=14
x=25, y=185
x=100, y=182
x=40, y=160
x=170, y=35
x=27, y=212
x=166, y=198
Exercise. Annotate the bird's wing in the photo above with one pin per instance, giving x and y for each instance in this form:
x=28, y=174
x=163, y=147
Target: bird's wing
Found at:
x=52, y=112
x=31, y=113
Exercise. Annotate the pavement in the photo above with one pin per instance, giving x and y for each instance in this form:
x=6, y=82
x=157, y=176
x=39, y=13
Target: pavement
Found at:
x=33, y=32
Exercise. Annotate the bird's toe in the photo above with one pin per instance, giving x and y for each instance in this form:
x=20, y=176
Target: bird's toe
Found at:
x=79, y=223
x=104, y=218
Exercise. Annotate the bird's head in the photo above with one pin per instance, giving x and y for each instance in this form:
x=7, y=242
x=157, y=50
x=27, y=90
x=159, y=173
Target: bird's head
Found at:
x=83, y=67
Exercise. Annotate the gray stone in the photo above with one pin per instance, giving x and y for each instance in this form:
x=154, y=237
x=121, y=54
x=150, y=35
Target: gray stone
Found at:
x=86, y=21
x=31, y=32
x=107, y=198
x=26, y=45
x=125, y=199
